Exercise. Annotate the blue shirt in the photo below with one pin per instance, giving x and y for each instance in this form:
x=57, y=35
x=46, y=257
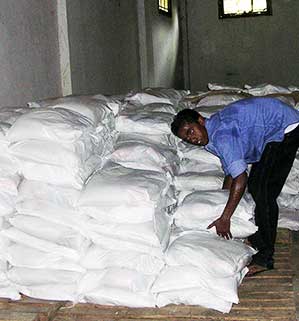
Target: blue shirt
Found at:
x=239, y=133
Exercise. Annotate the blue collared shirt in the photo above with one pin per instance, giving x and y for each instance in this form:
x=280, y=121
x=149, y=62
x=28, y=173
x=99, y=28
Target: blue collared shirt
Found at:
x=239, y=133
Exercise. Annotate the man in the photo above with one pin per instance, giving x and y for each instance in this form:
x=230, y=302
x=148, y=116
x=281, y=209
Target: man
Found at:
x=260, y=131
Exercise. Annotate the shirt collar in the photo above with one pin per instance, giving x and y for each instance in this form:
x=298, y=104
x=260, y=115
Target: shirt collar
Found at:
x=211, y=125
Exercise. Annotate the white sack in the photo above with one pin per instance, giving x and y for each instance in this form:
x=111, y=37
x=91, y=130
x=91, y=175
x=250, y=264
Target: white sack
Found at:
x=115, y=243
x=146, y=123
x=24, y=256
x=107, y=295
x=288, y=219
x=18, y=236
x=194, y=296
x=219, y=98
x=52, y=195
x=265, y=89
x=99, y=258
x=9, y=165
x=69, y=218
x=200, y=209
x=8, y=115
x=194, y=166
x=122, y=278
x=59, y=125
x=186, y=277
x=51, y=163
x=53, y=291
x=216, y=86
x=144, y=99
x=217, y=255
x=26, y=276
x=116, y=186
x=150, y=234
x=145, y=156
x=47, y=152
x=130, y=109
x=49, y=231
x=7, y=289
x=291, y=185
x=9, y=184
x=120, y=214
x=174, y=94
x=209, y=204
x=139, y=232
x=199, y=154
x=289, y=201
x=7, y=204
x=199, y=181
x=96, y=109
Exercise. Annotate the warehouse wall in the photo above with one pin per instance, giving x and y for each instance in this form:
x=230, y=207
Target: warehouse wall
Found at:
x=29, y=56
x=118, y=45
x=52, y=48
x=164, y=47
x=243, y=50
x=103, y=42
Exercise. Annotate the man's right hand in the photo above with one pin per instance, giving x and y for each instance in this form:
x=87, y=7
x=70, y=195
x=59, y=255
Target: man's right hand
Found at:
x=222, y=225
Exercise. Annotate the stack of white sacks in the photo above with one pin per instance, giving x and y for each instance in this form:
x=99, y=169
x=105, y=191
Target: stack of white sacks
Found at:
x=94, y=214
x=9, y=181
x=129, y=205
x=197, y=259
x=56, y=149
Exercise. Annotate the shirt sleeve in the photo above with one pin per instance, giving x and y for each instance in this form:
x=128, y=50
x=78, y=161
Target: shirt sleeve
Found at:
x=230, y=150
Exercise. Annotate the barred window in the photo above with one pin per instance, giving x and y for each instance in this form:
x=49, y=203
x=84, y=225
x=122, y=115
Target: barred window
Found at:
x=244, y=8
x=164, y=7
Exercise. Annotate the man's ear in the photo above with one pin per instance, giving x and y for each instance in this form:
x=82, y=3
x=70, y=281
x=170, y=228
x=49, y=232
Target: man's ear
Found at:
x=201, y=120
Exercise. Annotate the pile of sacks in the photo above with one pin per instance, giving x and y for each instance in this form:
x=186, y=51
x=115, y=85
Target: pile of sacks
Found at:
x=186, y=276
x=201, y=267
x=129, y=205
x=9, y=182
x=55, y=149
x=129, y=226
x=107, y=206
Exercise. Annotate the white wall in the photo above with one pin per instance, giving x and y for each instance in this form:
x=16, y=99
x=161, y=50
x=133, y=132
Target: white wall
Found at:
x=243, y=50
x=163, y=47
x=103, y=42
x=29, y=56
x=119, y=45
x=57, y=47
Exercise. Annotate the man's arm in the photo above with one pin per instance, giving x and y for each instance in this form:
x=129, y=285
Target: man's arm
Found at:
x=237, y=189
x=227, y=183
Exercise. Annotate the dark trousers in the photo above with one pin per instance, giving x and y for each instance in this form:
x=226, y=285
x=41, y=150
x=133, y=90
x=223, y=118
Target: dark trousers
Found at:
x=265, y=182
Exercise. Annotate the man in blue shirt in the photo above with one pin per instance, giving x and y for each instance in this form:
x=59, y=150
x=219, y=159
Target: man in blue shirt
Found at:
x=260, y=131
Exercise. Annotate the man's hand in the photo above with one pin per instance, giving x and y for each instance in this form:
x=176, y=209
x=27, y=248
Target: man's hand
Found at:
x=237, y=188
x=222, y=225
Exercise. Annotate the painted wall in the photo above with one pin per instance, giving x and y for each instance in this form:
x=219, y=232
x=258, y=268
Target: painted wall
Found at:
x=51, y=48
x=103, y=43
x=29, y=56
x=119, y=45
x=163, y=47
x=244, y=50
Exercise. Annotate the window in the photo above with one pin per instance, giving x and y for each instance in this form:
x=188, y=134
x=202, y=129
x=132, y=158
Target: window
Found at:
x=244, y=8
x=164, y=7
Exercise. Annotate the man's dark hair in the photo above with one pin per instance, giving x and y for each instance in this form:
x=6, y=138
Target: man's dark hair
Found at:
x=182, y=117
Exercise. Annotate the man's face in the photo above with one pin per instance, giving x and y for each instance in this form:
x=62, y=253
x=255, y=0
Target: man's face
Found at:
x=194, y=133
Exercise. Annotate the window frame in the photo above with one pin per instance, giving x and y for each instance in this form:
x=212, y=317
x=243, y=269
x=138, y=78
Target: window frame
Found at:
x=222, y=15
x=163, y=12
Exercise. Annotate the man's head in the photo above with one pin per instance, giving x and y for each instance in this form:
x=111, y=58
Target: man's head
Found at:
x=189, y=125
